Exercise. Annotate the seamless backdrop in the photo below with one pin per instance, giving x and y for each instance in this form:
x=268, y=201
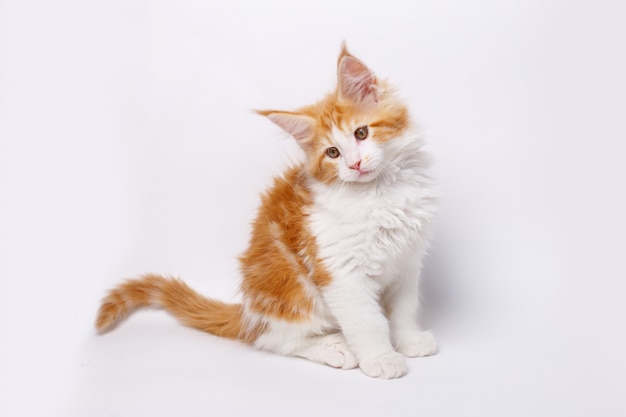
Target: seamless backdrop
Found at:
x=127, y=145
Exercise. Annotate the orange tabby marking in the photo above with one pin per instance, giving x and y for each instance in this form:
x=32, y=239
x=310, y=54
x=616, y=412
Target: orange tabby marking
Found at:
x=281, y=261
x=174, y=295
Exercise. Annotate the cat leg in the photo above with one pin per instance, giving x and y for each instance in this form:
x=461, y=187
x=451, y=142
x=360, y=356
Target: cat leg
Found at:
x=293, y=339
x=354, y=303
x=401, y=301
x=330, y=349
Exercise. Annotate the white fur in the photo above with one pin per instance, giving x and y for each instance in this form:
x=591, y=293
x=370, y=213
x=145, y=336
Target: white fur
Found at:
x=371, y=236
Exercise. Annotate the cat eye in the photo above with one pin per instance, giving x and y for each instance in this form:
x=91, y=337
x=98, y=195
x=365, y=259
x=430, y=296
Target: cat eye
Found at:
x=361, y=133
x=332, y=152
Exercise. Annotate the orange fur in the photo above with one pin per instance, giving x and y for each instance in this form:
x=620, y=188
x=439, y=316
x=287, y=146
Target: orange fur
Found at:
x=278, y=267
x=282, y=256
x=191, y=308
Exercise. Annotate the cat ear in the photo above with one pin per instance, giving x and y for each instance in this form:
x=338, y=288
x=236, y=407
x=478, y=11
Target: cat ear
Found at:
x=297, y=125
x=355, y=81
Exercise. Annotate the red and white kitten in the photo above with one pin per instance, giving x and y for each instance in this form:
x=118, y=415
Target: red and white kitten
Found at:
x=332, y=270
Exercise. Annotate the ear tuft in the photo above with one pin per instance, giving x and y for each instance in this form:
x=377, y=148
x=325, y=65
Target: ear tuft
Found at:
x=297, y=125
x=356, y=82
x=344, y=52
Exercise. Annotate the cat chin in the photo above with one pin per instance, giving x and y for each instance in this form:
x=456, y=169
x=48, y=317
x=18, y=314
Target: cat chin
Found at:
x=362, y=177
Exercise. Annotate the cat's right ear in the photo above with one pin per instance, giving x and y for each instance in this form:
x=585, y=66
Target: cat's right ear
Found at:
x=356, y=82
x=297, y=125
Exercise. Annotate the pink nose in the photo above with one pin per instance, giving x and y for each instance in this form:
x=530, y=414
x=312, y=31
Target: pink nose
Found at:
x=356, y=166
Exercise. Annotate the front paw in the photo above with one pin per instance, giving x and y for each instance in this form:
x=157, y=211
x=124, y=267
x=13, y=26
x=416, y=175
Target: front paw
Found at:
x=387, y=366
x=416, y=343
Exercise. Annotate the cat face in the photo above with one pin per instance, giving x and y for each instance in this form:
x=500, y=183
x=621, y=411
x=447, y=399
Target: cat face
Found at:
x=354, y=155
x=348, y=136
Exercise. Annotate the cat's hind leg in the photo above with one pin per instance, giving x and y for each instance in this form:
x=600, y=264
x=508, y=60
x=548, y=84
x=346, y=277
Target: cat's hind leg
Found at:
x=291, y=340
x=330, y=349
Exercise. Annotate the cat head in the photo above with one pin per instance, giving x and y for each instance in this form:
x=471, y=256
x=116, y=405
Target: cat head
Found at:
x=349, y=135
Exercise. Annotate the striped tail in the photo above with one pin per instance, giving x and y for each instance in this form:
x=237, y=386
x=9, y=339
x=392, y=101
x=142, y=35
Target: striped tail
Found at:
x=188, y=306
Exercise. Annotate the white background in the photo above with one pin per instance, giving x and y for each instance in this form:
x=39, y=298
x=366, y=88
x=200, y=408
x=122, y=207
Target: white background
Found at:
x=127, y=145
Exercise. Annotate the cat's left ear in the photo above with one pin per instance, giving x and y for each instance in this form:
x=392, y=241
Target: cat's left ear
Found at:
x=297, y=125
x=355, y=81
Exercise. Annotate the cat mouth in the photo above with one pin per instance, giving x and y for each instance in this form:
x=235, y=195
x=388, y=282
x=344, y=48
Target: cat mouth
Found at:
x=367, y=170
x=365, y=174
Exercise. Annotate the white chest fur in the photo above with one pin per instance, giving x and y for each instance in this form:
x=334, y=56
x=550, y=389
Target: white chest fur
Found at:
x=373, y=229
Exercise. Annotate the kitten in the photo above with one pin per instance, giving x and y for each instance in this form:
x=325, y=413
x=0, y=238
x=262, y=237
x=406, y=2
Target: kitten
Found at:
x=332, y=269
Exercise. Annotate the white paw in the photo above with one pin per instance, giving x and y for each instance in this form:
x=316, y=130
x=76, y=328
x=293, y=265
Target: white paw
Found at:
x=416, y=343
x=332, y=350
x=338, y=355
x=387, y=366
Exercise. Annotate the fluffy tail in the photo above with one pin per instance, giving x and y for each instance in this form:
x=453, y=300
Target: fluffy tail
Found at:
x=175, y=296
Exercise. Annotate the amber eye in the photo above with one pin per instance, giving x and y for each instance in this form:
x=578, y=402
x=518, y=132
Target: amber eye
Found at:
x=332, y=152
x=361, y=133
